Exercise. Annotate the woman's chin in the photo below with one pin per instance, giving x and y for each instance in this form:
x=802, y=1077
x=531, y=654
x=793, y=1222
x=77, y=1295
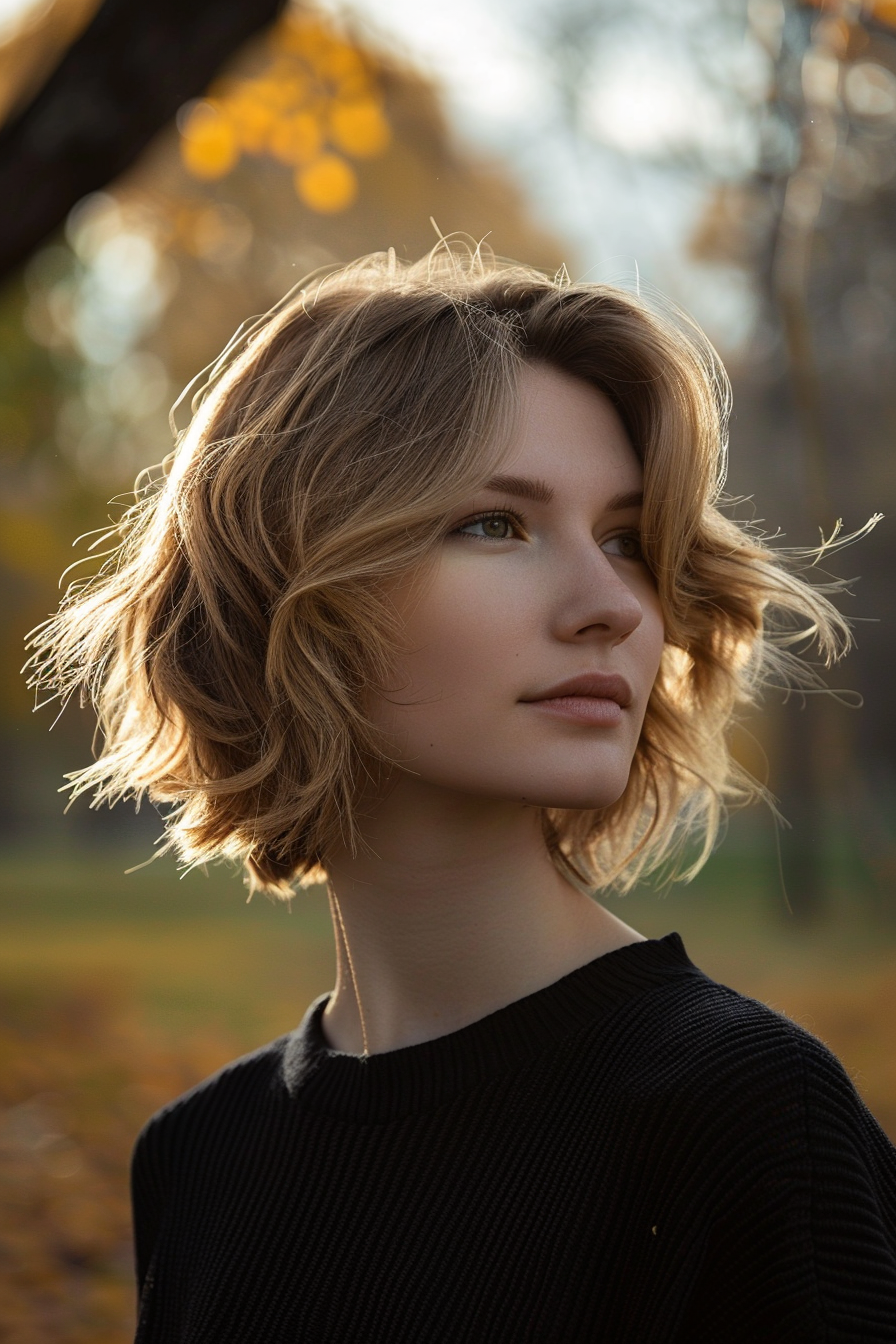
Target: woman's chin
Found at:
x=578, y=798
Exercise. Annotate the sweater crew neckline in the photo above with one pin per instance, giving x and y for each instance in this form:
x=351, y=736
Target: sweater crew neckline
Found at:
x=381, y=1087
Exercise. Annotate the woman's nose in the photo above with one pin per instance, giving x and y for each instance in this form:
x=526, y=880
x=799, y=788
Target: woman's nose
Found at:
x=597, y=601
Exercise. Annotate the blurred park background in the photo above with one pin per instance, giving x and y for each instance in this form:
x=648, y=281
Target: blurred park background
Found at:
x=167, y=171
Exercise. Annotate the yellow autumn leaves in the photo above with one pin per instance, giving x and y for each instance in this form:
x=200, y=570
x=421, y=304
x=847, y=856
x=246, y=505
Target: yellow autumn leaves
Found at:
x=315, y=104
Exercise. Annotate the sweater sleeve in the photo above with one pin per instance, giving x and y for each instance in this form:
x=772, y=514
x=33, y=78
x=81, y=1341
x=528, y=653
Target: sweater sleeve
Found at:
x=803, y=1250
x=147, y=1186
x=853, y=1204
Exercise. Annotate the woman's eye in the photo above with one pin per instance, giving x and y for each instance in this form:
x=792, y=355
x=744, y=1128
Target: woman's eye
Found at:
x=627, y=545
x=490, y=527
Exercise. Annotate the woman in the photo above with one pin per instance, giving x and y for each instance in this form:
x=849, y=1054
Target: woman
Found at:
x=435, y=602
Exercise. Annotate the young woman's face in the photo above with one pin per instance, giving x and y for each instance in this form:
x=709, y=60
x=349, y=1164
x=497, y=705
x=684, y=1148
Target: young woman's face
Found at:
x=533, y=645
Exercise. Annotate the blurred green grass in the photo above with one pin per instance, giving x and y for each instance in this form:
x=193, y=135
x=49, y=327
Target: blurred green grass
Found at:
x=191, y=954
x=188, y=952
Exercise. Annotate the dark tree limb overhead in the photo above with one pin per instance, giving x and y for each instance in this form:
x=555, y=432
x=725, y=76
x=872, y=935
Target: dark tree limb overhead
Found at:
x=114, y=89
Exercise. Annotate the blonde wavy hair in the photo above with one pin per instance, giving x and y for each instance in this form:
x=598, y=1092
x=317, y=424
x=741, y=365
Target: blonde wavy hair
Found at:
x=229, y=637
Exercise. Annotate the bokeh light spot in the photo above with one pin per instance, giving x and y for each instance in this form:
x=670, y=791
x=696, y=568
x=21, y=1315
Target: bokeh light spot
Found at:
x=296, y=140
x=359, y=128
x=327, y=185
x=883, y=10
x=314, y=102
x=343, y=64
x=208, y=144
x=253, y=121
x=870, y=90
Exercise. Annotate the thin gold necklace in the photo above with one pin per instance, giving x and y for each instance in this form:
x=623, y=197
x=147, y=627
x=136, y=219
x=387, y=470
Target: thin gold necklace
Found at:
x=351, y=969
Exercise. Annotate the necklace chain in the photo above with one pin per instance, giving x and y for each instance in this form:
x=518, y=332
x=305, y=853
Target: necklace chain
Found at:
x=351, y=970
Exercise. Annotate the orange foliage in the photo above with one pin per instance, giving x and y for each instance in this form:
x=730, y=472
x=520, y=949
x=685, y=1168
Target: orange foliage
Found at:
x=883, y=11
x=209, y=145
x=880, y=11
x=359, y=128
x=328, y=184
x=316, y=101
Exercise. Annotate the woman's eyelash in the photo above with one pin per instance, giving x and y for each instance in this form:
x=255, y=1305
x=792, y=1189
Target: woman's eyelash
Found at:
x=517, y=520
x=633, y=532
x=630, y=534
x=507, y=514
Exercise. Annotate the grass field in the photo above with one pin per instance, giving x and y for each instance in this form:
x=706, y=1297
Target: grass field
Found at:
x=118, y=992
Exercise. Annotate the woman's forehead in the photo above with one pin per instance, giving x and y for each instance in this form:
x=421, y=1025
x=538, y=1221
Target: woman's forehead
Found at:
x=567, y=434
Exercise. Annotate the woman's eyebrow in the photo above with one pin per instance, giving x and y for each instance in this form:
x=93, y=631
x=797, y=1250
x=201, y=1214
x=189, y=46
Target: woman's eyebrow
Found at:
x=526, y=487
x=632, y=500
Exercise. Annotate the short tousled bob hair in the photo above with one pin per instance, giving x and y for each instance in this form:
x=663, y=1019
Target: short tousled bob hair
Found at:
x=229, y=638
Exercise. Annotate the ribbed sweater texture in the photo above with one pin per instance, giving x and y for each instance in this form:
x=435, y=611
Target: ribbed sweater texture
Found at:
x=633, y=1154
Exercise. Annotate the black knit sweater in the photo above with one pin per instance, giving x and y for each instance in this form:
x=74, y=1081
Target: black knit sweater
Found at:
x=634, y=1153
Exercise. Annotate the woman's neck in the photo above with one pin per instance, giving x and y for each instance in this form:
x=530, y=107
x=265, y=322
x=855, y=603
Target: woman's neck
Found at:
x=451, y=910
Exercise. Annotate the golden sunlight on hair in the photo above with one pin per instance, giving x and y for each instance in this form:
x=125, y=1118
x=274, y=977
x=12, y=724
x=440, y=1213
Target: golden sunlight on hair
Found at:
x=228, y=642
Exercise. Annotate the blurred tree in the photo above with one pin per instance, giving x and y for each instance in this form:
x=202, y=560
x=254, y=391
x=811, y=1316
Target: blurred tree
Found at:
x=813, y=224
x=121, y=80
x=32, y=42
x=785, y=114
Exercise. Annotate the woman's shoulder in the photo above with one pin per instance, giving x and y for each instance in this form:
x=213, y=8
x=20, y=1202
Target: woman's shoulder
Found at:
x=662, y=1014
x=736, y=1065
x=708, y=1035
x=237, y=1089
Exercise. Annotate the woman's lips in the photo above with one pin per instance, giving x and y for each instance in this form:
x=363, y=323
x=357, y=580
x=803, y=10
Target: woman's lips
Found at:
x=597, y=698
x=581, y=709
